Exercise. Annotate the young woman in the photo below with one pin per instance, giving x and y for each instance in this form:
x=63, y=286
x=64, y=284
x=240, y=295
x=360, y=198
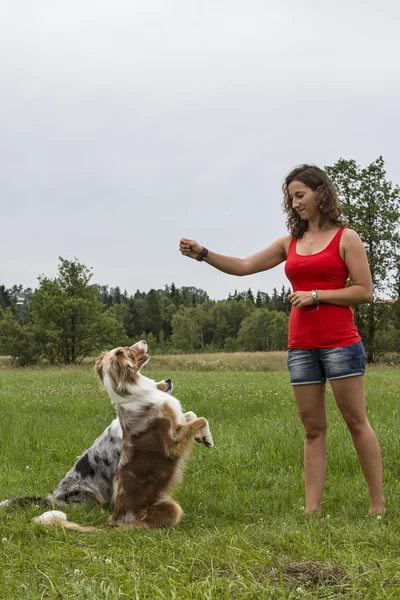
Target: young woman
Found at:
x=320, y=254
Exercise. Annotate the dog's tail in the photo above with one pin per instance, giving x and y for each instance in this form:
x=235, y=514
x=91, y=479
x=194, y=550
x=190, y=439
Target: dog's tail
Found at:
x=25, y=500
x=57, y=517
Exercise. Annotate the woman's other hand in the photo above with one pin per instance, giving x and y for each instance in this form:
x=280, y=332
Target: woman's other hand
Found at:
x=189, y=248
x=301, y=299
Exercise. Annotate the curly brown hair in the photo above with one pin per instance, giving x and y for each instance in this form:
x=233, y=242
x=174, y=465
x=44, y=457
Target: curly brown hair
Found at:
x=317, y=180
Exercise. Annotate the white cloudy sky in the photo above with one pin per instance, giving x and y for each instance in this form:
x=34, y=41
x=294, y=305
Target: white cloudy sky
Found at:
x=126, y=125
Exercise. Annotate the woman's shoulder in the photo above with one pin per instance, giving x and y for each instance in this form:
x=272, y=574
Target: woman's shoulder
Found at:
x=350, y=242
x=285, y=242
x=350, y=235
x=286, y=239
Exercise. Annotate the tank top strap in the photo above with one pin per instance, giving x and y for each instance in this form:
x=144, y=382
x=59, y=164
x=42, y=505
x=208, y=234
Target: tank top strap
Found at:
x=292, y=246
x=335, y=243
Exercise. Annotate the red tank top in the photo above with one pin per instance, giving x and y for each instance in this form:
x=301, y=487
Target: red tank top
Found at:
x=331, y=325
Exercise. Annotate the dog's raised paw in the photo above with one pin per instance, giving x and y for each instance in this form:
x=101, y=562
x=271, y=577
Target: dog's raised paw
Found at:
x=207, y=441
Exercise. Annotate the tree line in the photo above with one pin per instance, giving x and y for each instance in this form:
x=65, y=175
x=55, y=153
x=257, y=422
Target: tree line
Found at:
x=69, y=318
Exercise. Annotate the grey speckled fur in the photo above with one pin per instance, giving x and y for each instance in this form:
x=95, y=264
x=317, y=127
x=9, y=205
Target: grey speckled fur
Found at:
x=91, y=477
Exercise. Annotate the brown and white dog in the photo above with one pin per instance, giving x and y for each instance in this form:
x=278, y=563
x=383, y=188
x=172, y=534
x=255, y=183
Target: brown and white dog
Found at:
x=157, y=437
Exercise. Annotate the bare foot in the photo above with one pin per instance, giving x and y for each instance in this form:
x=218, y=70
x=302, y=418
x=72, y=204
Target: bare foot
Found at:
x=376, y=511
x=315, y=512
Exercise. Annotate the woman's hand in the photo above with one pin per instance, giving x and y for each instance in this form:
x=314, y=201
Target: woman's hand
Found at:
x=189, y=248
x=301, y=299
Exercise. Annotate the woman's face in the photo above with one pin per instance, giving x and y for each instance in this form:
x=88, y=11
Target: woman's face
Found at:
x=304, y=200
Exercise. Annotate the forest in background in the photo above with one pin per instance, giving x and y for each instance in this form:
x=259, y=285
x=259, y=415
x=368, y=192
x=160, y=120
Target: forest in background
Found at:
x=68, y=318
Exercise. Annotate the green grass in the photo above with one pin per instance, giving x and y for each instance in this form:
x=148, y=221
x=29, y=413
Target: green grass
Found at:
x=243, y=534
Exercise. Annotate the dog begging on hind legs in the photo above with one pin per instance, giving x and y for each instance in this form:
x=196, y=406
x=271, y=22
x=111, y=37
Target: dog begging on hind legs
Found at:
x=157, y=437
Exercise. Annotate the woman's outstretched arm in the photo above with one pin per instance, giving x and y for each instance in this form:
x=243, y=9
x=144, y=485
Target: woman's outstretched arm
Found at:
x=266, y=259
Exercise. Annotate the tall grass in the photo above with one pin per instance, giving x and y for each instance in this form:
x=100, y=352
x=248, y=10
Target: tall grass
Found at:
x=221, y=361
x=244, y=534
x=218, y=361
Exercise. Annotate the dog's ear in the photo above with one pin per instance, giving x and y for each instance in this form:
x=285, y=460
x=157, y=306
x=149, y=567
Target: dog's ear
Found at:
x=122, y=371
x=99, y=365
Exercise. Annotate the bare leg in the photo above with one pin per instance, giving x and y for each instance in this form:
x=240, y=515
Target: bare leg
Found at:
x=350, y=398
x=310, y=399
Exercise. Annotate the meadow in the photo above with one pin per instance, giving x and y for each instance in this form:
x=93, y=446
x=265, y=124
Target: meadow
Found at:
x=244, y=534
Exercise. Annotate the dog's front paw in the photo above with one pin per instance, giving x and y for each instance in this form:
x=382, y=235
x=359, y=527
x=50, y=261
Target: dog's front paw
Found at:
x=208, y=441
x=165, y=385
x=205, y=437
x=169, y=385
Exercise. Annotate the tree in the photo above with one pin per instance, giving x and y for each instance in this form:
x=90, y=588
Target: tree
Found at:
x=371, y=205
x=174, y=294
x=121, y=311
x=250, y=296
x=190, y=296
x=152, y=303
x=137, y=318
x=18, y=341
x=186, y=332
x=279, y=331
x=69, y=319
x=259, y=300
x=227, y=317
x=263, y=330
x=167, y=308
x=5, y=297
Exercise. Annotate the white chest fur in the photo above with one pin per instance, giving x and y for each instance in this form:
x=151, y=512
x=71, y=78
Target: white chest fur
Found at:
x=142, y=393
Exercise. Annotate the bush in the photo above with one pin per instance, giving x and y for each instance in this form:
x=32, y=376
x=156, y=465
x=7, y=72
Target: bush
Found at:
x=18, y=341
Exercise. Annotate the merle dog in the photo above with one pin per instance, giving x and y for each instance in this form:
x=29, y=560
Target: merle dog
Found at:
x=91, y=477
x=157, y=438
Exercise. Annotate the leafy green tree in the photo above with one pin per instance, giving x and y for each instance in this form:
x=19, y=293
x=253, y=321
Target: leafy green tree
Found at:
x=190, y=296
x=204, y=317
x=68, y=318
x=396, y=322
x=371, y=204
x=231, y=345
x=104, y=295
x=167, y=309
x=263, y=330
x=186, y=332
x=192, y=327
x=5, y=297
x=227, y=317
x=121, y=311
x=137, y=321
x=18, y=341
x=279, y=331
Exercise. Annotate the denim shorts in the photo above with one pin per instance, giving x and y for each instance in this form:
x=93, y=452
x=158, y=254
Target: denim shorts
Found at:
x=318, y=365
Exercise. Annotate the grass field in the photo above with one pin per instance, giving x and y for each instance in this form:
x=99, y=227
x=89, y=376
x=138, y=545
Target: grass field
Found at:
x=243, y=535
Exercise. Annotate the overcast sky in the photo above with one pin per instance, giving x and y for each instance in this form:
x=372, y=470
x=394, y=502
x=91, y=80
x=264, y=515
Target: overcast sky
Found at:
x=127, y=125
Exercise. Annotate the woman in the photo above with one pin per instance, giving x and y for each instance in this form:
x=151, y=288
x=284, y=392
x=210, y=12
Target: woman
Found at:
x=320, y=254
